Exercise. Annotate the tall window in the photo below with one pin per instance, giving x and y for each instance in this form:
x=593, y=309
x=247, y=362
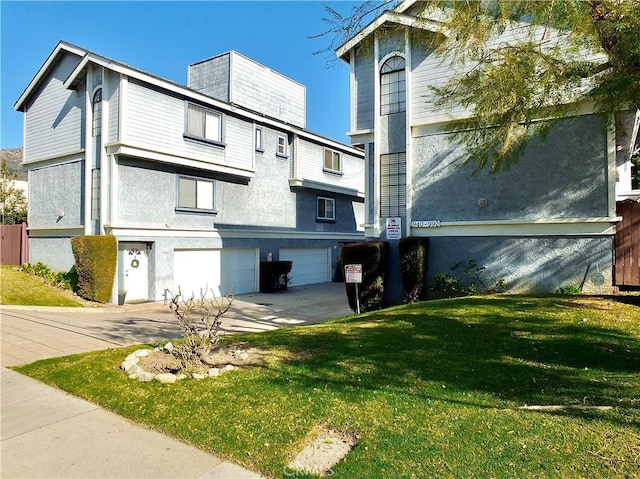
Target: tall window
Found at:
x=204, y=123
x=96, y=105
x=393, y=87
x=259, y=139
x=195, y=193
x=281, y=146
x=332, y=160
x=393, y=185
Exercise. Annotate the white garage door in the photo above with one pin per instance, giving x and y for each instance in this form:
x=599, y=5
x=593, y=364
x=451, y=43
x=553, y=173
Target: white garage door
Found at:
x=220, y=271
x=310, y=265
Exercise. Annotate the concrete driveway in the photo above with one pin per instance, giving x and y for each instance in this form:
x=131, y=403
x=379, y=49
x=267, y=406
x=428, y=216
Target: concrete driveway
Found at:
x=47, y=433
x=32, y=333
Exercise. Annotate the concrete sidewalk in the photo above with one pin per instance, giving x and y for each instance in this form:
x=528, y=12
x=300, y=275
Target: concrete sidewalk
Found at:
x=47, y=433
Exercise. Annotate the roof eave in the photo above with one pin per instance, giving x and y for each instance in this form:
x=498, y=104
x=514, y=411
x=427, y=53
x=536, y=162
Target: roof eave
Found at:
x=60, y=47
x=387, y=16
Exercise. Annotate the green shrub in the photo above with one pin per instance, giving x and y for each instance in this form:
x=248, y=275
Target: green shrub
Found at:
x=413, y=261
x=96, y=260
x=61, y=280
x=448, y=284
x=372, y=255
x=470, y=282
x=569, y=289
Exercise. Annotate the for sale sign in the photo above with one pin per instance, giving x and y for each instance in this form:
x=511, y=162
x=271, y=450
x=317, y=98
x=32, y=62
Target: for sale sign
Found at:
x=353, y=273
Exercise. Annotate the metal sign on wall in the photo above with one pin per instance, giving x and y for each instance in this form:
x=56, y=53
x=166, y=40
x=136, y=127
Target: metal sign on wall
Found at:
x=394, y=228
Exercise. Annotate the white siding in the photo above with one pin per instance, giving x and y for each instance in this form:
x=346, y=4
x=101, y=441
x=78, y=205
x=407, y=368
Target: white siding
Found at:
x=155, y=121
x=364, y=91
x=55, y=115
x=310, y=159
x=266, y=91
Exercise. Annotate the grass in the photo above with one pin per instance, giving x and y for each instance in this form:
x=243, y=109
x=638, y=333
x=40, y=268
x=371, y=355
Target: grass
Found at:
x=19, y=288
x=432, y=390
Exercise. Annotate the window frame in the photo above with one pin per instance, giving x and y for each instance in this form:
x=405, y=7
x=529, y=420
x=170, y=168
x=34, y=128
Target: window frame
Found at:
x=259, y=145
x=394, y=180
x=285, y=145
x=393, y=70
x=96, y=112
x=331, y=169
x=202, y=138
x=196, y=209
x=325, y=218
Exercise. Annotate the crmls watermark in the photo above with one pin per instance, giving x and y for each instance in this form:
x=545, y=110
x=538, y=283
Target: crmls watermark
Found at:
x=290, y=472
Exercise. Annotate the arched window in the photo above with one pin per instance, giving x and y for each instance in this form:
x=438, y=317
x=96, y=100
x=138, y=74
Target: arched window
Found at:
x=393, y=87
x=97, y=112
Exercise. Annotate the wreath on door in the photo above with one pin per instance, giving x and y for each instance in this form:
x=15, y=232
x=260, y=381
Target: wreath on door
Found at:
x=135, y=263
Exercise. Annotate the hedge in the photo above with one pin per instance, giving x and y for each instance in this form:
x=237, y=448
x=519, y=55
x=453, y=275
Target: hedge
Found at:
x=413, y=261
x=96, y=260
x=372, y=255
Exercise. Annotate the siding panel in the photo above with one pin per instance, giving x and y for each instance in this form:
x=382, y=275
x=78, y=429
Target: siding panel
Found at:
x=310, y=160
x=114, y=106
x=364, y=90
x=55, y=115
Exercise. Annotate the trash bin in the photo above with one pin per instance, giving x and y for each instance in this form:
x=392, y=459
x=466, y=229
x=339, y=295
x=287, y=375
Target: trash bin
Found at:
x=274, y=275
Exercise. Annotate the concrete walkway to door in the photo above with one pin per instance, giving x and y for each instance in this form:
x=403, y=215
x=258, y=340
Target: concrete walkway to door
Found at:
x=47, y=433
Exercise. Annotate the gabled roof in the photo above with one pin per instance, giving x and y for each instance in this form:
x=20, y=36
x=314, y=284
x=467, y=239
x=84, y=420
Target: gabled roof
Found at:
x=390, y=17
x=78, y=73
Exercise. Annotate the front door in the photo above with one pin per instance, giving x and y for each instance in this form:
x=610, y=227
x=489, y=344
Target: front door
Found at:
x=134, y=271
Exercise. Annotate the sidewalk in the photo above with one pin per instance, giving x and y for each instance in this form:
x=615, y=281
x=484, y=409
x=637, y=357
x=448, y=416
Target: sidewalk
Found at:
x=47, y=433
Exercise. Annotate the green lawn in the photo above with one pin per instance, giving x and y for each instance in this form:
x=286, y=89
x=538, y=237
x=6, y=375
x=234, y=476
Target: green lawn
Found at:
x=432, y=390
x=22, y=289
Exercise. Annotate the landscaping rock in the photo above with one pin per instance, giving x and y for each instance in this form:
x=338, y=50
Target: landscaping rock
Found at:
x=227, y=368
x=181, y=376
x=168, y=346
x=166, y=378
x=198, y=376
x=214, y=372
x=145, y=377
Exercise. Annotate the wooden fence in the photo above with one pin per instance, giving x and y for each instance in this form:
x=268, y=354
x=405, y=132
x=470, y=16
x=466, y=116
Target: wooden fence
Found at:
x=14, y=246
x=628, y=244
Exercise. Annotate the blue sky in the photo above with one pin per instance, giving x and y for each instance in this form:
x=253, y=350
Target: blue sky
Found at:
x=163, y=38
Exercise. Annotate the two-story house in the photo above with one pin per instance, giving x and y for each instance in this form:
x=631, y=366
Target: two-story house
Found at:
x=547, y=222
x=198, y=183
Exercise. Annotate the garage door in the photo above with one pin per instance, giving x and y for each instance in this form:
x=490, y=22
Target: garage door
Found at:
x=310, y=265
x=218, y=270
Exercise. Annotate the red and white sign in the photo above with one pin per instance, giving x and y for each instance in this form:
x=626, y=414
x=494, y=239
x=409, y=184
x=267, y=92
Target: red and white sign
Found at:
x=353, y=273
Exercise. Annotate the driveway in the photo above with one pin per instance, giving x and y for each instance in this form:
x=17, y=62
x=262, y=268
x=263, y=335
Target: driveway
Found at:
x=32, y=333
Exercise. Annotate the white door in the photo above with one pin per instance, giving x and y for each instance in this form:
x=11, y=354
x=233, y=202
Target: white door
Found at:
x=134, y=271
x=310, y=265
x=229, y=270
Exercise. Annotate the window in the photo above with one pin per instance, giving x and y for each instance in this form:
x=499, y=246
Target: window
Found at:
x=332, y=160
x=203, y=123
x=195, y=194
x=281, y=147
x=393, y=88
x=95, y=194
x=259, y=138
x=326, y=209
x=97, y=113
x=393, y=185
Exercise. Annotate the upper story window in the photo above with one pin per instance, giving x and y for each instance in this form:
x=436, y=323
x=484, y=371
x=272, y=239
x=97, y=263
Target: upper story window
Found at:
x=393, y=185
x=195, y=194
x=326, y=209
x=96, y=106
x=281, y=146
x=393, y=87
x=332, y=161
x=259, y=138
x=203, y=123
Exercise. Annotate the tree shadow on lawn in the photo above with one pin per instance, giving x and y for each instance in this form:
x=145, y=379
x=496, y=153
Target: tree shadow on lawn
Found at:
x=503, y=348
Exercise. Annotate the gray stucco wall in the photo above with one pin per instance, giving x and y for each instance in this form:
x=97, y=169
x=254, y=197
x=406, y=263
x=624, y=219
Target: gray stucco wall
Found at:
x=54, y=252
x=54, y=190
x=539, y=264
x=565, y=177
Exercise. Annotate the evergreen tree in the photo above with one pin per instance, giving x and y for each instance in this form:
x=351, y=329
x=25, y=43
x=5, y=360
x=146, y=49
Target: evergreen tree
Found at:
x=575, y=51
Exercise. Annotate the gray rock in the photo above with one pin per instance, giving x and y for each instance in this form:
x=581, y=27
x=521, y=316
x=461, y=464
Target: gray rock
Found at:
x=228, y=367
x=168, y=346
x=181, y=376
x=214, y=372
x=135, y=369
x=243, y=356
x=141, y=353
x=146, y=377
x=166, y=378
x=198, y=376
x=126, y=365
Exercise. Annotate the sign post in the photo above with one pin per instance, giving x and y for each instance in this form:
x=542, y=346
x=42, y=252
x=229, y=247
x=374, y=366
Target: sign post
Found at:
x=353, y=275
